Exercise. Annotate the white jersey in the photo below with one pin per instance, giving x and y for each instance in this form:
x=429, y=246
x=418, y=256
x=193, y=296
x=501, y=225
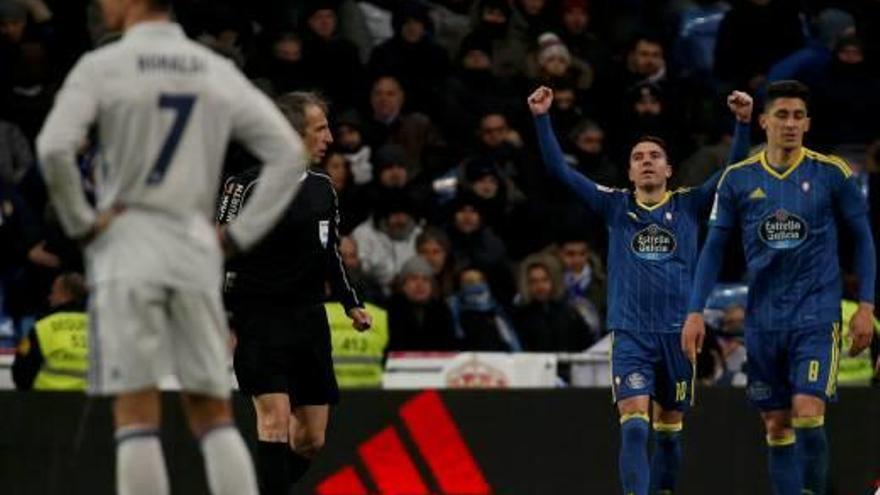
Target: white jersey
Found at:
x=165, y=109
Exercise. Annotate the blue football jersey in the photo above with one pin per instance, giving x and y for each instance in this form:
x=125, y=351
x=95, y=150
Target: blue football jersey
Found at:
x=652, y=254
x=788, y=222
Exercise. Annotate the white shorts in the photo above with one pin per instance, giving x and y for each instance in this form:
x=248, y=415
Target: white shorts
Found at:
x=142, y=333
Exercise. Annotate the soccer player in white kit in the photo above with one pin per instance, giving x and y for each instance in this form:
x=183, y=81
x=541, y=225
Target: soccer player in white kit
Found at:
x=165, y=109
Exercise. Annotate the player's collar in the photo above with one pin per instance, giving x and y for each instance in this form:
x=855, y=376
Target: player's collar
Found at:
x=775, y=173
x=653, y=207
x=155, y=28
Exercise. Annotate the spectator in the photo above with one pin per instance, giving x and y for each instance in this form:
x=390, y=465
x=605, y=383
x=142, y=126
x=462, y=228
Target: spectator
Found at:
x=575, y=33
x=16, y=157
x=53, y=356
x=332, y=62
x=651, y=112
x=387, y=239
x=481, y=324
x=584, y=283
x=503, y=208
x=590, y=157
x=473, y=243
x=413, y=57
x=339, y=169
x=30, y=65
x=418, y=320
x=566, y=111
x=350, y=140
x=494, y=24
x=742, y=58
x=543, y=319
x=499, y=143
x=433, y=245
x=368, y=289
x=392, y=175
x=414, y=132
x=555, y=65
x=280, y=64
x=474, y=91
x=846, y=104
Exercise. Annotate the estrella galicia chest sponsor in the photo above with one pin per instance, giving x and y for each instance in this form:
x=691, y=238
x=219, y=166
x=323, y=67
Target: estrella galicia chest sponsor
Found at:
x=783, y=230
x=653, y=243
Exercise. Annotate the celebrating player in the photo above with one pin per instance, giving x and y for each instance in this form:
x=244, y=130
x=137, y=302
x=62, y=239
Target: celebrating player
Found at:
x=165, y=109
x=652, y=253
x=276, y=296
x=788, y=201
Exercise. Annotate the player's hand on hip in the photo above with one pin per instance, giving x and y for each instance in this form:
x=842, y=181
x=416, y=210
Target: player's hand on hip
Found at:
x=102, y=223
x=741, y=104
x=861, y=329
x=692, y=336
x=360, y=319
x=540, y=101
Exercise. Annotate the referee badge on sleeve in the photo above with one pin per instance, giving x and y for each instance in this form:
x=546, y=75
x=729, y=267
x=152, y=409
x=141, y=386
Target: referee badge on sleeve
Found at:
x=324, y=232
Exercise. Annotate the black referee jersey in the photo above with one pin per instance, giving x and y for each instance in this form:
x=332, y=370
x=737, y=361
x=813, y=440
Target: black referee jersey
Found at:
x=290, y=266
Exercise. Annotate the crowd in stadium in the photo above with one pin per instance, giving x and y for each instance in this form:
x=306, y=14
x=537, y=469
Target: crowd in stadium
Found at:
x=450, y=219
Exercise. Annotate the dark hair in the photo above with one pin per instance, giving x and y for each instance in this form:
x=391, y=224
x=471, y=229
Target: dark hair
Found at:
x=646, y=37
x=435, y=234
x=787, y=89
x=293, y=106
x=160, y=4
x=75, y=285
x=652, y=139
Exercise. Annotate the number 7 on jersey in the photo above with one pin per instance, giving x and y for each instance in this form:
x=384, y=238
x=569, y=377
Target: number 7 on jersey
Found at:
x=182, y=105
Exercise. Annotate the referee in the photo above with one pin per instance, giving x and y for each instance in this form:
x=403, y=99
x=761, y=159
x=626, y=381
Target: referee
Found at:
x=275, y=294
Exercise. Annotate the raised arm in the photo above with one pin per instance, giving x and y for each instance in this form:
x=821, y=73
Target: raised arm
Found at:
x=740, y=104
x=594, y=195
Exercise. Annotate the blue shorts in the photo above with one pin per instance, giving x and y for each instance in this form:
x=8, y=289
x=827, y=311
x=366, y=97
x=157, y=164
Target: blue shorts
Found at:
x=785, y=363
x=644, y=363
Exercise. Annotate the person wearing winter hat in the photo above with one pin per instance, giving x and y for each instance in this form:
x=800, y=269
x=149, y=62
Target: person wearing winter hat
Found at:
x=388, y=238
x=417, y=319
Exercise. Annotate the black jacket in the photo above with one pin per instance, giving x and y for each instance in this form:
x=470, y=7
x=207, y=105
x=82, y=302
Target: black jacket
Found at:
x=420, y=327
x=551, y=327
x=291, y=265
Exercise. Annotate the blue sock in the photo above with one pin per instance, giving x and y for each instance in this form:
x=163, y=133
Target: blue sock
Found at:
x=634, y=469
x=784, y=469
x=667, y=458
x=812, y=453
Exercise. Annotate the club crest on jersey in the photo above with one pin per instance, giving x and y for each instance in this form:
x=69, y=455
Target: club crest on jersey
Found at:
x=805, y=186
x=653, y=243
x=783, y=230
x=324, y=232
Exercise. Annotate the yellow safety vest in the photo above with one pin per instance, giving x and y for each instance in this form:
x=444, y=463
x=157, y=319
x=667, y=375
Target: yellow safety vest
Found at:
x=856, y=370
x=64, y=342
x=357, y=356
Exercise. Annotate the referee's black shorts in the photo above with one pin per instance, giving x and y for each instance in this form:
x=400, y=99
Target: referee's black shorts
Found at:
x=284, y=350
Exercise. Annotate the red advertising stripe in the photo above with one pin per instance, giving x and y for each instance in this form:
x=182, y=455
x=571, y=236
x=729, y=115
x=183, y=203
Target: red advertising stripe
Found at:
x=390, y=466
x=343, y=482
x=440, y=443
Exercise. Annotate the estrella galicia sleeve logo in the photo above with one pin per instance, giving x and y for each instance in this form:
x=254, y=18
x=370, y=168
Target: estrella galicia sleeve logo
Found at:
x=653, y=243
x=783, y=230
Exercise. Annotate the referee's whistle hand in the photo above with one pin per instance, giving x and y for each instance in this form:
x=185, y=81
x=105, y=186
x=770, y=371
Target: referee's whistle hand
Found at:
x=692, y=336
x=360, y=319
